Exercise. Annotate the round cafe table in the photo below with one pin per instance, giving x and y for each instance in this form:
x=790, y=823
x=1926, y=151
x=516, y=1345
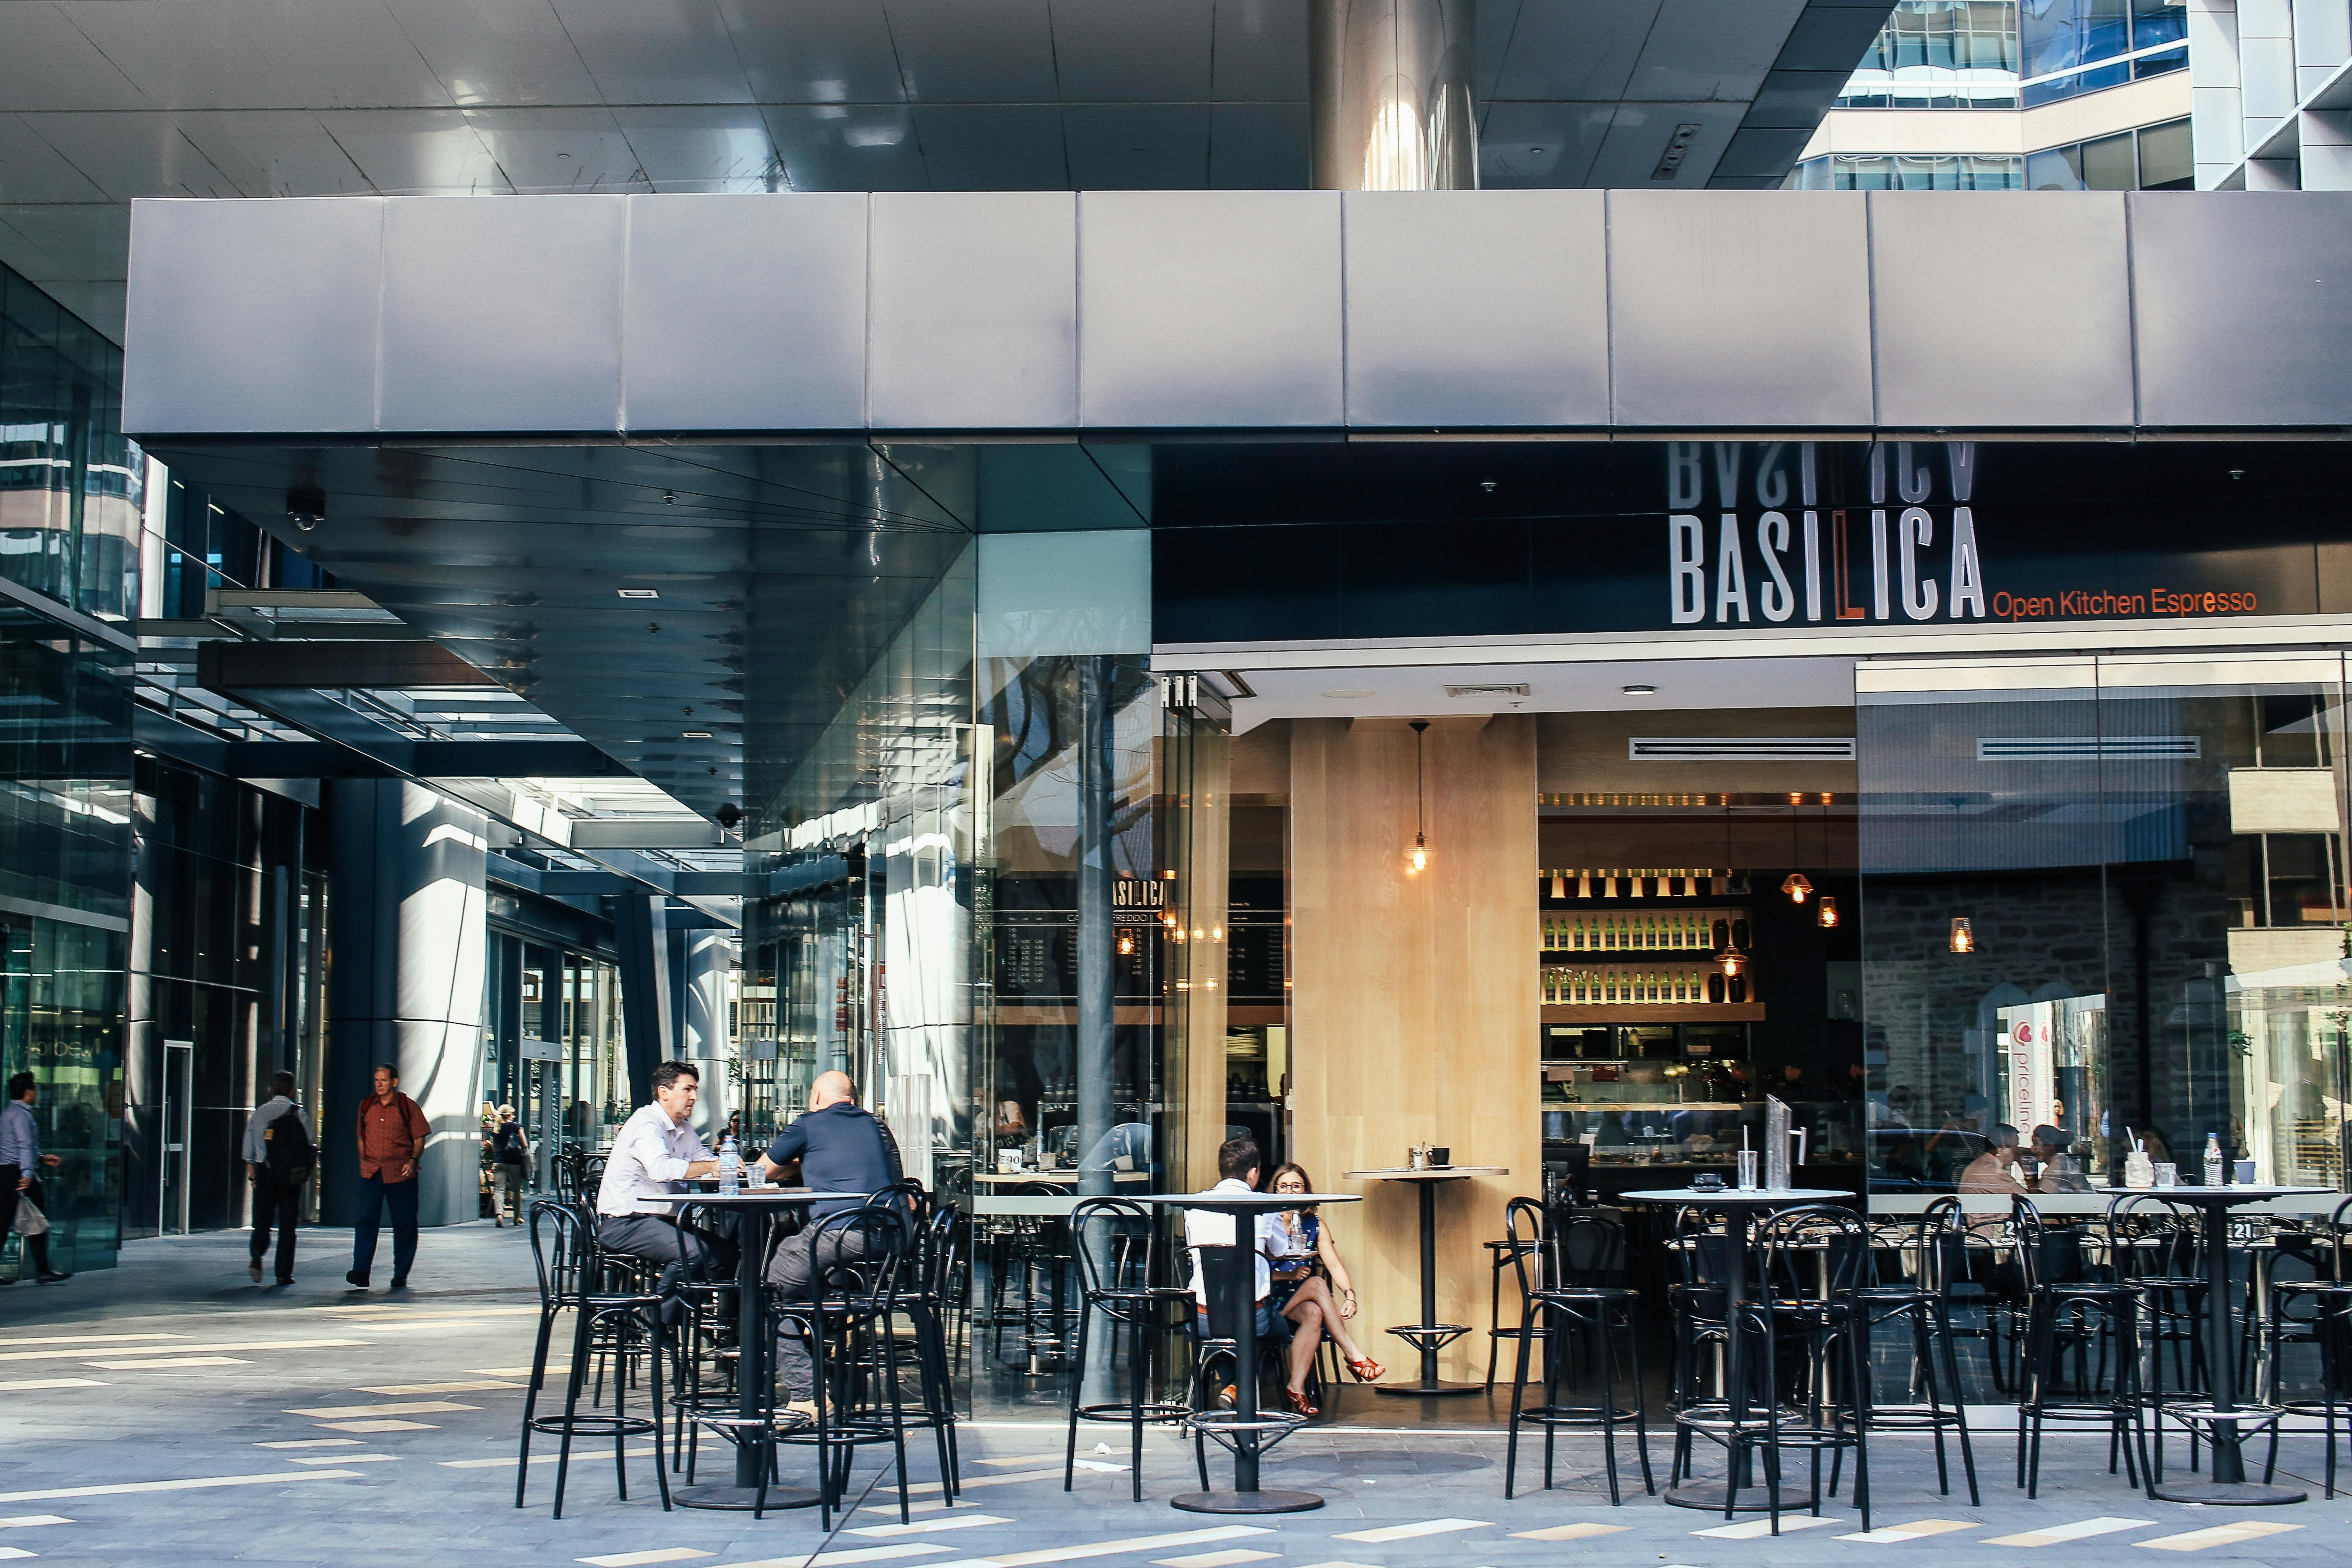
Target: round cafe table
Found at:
x=1739, y=1209
x=2225, y=1483
x=758, y=1206
x=1246, y=1431
x=1429, y=1336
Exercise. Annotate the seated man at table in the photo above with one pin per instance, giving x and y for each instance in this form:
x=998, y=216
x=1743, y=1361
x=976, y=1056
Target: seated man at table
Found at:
x=1989, y=1171
x=841, y=1149
x=655, y=1152
x=1237, y=1172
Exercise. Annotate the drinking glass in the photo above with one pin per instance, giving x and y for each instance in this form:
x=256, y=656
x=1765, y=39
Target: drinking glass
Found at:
x=2168, y=1173
x=1747, y=1158
x=2245, y=1173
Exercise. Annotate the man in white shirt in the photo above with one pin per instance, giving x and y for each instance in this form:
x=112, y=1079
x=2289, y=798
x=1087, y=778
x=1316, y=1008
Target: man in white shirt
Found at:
x=1237, y=1168
x=655, y=1152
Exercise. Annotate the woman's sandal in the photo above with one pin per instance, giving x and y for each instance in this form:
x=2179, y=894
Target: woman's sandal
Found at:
x=1367, y=1370
x=1300, y=1403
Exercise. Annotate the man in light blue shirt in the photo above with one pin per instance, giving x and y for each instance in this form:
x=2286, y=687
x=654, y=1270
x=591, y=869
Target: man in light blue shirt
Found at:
x=21, y=1162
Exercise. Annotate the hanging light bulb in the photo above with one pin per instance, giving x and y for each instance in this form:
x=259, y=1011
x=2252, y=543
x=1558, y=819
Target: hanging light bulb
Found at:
x=1732, y=960
x=1963, y=937
x=1417, y=859
x=1126, y=941
x=1796, y=887
x=1827, y=912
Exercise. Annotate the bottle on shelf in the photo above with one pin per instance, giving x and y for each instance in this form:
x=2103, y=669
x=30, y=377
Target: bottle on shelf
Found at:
x=1739, y=934
x=1722, y=933
x=1713, y=989
x=1559, y=884
x=1584, y=884
x=1737, y=988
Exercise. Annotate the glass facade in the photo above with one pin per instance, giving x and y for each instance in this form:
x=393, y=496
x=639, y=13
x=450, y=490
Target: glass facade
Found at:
x=1909, y=172
x=72, y=487
x=2013, y=54
x=2070, y=47
x=2152, y=158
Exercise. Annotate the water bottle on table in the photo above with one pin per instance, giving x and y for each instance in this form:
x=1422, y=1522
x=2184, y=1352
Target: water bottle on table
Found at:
x=730, y=1168
x=2212, y=1159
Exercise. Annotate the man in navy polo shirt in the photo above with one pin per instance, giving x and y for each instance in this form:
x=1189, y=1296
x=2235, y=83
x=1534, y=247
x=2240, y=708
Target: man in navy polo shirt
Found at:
x=841, y=1149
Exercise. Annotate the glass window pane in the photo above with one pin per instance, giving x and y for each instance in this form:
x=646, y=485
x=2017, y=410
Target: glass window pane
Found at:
x=2108, y=165
x=2167, y=162
x=2059, y=168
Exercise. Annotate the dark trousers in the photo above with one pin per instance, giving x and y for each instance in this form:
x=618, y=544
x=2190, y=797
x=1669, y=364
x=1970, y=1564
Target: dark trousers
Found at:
x=36, y=1248
x=375, y=1192
x=796, y=1272
x=281, y=1204
x=659, y=1238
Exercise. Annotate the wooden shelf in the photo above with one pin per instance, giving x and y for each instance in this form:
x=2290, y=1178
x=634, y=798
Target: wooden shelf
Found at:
x=1639, y=1013
x=1702, y=957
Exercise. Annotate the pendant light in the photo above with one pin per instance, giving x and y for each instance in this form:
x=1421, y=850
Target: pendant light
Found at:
x=1964, y=936
x=1826, y=912
x=1417, y=861
x=1729, y=959
x=1796, y=887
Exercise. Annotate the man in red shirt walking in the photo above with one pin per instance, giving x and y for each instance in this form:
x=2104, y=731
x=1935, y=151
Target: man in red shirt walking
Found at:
x=392, y=1135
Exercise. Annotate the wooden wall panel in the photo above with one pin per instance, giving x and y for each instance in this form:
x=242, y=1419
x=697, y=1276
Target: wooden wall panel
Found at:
x=1414, y=999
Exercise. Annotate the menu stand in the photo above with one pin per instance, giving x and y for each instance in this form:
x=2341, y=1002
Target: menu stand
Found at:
x=1429, y=1336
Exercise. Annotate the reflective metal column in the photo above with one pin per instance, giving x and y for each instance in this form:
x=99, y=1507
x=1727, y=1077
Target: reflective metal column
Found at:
x=1391, y=96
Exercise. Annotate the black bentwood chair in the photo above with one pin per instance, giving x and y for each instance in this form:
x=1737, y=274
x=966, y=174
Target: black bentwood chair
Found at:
x=1810, y=1260
x=1565, y=1272
x=570, y=1267
x=1118, y=1248
x=1938, y=1247
x=862, y=1257
x=2328, y=1297
x=2063, y=1310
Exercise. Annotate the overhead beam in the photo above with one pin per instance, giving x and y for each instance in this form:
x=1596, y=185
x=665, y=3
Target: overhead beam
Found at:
x=368, y=663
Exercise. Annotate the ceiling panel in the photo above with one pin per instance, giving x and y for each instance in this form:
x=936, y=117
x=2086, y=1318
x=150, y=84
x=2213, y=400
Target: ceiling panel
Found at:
x=555, y=152
x=1572, y=49
x=1117, y=51
x=100, y=304
x=1637, y=138
x=348, y=55
x=793, y=51
x=509, y=52
x=184, y=54
x=47, y=62
x=1138, y=147
x=130, y=155
x=833, y=147
x=33, y=171
x=1701, y=49
x=957, y=51
x=656, y=51
x=274, y=152
x=719, y=149
x=999, y=147
x=1260, y=53
x=1541, y=145
x=87, y=241
x=413, y=152
x=1258, y=146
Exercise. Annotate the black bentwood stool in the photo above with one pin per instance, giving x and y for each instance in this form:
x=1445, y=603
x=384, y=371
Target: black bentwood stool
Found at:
x=889, y=1354
x=1563, y=1269
x=1499, y=1256
x=1938, y=1247
x=2063, y=1310
x=861, y=1257
x=1810, y=1260
x=2328, y=1297
x=1117, y=1245
x=568, y=1262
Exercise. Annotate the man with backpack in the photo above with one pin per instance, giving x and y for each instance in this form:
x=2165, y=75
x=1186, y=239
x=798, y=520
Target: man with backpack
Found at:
x=278, y=1155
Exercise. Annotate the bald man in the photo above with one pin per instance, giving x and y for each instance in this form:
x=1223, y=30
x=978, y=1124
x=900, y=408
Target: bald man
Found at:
x=841, y=1149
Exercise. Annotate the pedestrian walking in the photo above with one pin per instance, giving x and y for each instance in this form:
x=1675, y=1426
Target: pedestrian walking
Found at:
x=23, y=1207
x=510, y=1162
x=279, y=1153
x=392, y=1134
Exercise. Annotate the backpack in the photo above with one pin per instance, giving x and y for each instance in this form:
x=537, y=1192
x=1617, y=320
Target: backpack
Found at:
x=289, y=1153
x=506, y=1144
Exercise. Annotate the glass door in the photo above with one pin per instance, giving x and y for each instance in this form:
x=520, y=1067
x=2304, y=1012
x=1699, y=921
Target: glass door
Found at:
x=179, y=1119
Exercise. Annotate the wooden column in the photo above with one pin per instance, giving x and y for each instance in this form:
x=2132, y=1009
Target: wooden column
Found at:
x=1415, y=1003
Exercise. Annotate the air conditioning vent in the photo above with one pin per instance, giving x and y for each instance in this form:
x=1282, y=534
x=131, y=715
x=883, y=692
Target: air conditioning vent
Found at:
x=2088, y=748
x=1518, y=688
x=1740, y=748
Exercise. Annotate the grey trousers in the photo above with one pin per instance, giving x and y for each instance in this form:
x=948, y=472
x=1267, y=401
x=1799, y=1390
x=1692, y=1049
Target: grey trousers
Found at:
x=795, y=1271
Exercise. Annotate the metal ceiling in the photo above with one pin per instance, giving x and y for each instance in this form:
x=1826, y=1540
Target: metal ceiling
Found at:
x=105, y=101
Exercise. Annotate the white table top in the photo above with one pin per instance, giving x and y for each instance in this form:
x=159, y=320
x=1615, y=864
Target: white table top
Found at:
x=754, y=1198
x=1241, y=1202
x=1733, y=1195
x=1433, y=1174
x=2236, y=1192
x=1063, y=1177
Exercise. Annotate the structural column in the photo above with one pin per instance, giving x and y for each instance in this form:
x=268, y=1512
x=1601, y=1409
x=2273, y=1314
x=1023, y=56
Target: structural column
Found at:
x=1389, y=94
x=709, y=957
x=404, y=986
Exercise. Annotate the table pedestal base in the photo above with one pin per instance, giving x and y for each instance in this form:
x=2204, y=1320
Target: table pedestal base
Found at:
x=1428, y=1390
x=2229, y=1494
x=1271, y=1500
x=1707, y=1497
x=739, y=1499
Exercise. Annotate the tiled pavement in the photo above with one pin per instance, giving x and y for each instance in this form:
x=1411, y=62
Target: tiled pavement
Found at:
x=169, y=1411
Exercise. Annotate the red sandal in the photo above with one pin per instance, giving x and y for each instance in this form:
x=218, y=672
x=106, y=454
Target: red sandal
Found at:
x=1367, y=1370
x=1300, y=1403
